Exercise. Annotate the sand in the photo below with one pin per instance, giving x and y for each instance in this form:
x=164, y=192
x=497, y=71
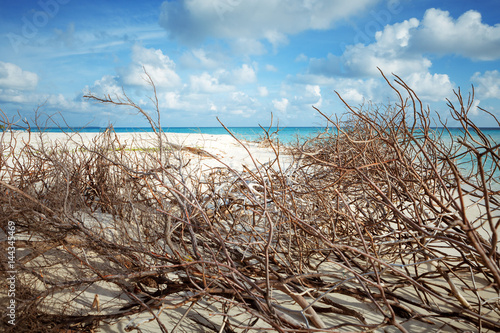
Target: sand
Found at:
x=225, y=149
x=202, y=153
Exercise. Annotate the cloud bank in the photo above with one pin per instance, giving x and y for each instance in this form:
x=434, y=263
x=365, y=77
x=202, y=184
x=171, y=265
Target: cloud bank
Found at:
x=192, y=21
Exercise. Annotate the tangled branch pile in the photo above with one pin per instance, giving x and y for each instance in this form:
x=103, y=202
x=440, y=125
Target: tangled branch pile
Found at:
x=372, y=226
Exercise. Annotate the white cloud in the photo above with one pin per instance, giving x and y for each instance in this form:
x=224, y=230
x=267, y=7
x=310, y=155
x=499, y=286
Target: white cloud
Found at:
x=205, y=83
x=238, y=76
x=235, y=105
x=474, y=107
x=201, y=55
x=389, y=52
x=357, y=91
x=19, y=86
x=191, y=21
x=301, y=57
x=466, y=36
x=13, y=77
x=395, y=37
x=304, y=96
x=15, y=96
x=313, y=92
x=107, y=85
x=282, y=105
x=247, y=46
x=351, y=95
x=184, y=101
x=276, y=38
x=213, y=107
x=487, y=84
x=59, y=101
x=244, y=75
x=199, y=58
x=172, y=100
x=353, y=90
x=399, y=48
x=159, y=66
x=49, y=102
x=430, y=87
x=271, y=68
x=263, y=92
x=241, y=104
x=393, y=52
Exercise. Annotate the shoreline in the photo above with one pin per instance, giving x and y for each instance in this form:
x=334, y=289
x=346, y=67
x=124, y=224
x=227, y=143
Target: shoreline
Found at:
x=286, y=134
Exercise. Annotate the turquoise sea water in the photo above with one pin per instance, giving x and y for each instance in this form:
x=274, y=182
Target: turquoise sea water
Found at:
x=285, y=134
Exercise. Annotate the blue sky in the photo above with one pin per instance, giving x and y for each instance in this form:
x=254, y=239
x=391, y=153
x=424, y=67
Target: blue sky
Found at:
x=242, y=60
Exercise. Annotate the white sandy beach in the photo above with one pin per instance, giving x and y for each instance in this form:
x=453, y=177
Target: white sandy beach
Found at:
x=226, y=150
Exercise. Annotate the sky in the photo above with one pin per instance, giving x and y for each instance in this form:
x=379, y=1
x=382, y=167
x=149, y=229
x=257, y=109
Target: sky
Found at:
x=242, y=61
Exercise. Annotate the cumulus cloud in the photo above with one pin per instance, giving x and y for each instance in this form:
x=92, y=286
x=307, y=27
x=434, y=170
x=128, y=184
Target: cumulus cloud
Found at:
x=352, y=95
x=281, y=105
x=107, y=85
x=301, y=57
x=298, y=98
x=242, y=104
x=466, y=36
x=312, y=95
x=399, y=48
x=474, y=109
x=13, y=77
x=430, y=87
x=206, y=83
x=263, y=92
x=158, y=65
x=247, y=46
x=174, y=100
x=355, y=91
x=200, y=58
x=487, y=84
x=50, y=102
x=389, y=52
x=15, y=96
x=243, y=75
x=191, y=21
x=223, y=80
x=394, y=50
x=271, y=68
x=238, y=76
x=276, y=38
x=18, y=86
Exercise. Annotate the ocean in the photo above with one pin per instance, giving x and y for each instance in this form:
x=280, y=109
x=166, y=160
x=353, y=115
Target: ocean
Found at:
x=285, y=134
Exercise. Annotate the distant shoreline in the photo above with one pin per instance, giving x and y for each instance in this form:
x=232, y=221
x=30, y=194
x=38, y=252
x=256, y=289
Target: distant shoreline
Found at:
x=184, y=129
x=286, y=135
